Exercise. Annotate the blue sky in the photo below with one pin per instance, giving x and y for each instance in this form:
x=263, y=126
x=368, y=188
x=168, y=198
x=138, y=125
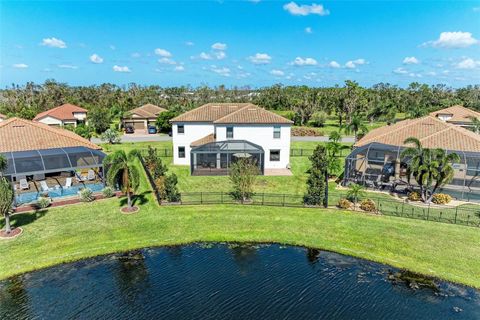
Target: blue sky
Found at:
x=243, y=43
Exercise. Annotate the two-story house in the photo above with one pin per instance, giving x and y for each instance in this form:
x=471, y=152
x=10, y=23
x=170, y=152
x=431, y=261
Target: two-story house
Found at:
x=211, y=137
x=64, y=115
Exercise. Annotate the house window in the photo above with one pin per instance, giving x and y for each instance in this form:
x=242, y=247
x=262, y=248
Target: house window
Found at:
x=274, y=155
x=276, y=132
x=229, y=132
x=181, y=152
x=180, y=129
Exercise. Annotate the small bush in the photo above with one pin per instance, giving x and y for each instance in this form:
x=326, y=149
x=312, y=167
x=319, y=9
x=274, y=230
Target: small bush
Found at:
x=441, y=198
x=171, y=190
x=414, y=196
x=43, y=202
x=86, y=195
x=344, y=204
x=108, y=192
x=319, y=119
x=368, y=205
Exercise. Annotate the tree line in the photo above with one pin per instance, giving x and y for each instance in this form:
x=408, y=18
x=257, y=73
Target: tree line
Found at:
x=109, y=102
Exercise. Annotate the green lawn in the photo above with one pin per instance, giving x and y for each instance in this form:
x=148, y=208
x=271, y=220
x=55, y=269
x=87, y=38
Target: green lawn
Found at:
x=85, y=230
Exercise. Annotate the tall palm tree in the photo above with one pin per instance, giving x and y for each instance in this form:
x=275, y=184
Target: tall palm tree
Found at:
x=475, y=124
x=121, y=169
x=356, y=124
x=431, y=169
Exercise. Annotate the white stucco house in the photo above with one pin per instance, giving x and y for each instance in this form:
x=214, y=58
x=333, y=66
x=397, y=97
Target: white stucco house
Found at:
x=66, y=114
x=211, y=137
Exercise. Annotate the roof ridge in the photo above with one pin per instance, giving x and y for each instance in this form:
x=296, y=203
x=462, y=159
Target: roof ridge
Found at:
x=411, y=122
x=190, y=111
x=232, y=113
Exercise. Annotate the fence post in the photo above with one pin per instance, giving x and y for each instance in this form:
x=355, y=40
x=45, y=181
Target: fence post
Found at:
x=283, y=204
x=263, y=198
x=301, y=152
x=456, y=213
x=221, y=197
x=403, y=205
x=201, y=197
x=428, y=211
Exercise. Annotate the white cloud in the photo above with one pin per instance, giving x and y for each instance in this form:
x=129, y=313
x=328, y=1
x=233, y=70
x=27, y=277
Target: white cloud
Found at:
x=308, y=30
x=400, y=71
x=277, y=73
x=20, y=65
x=219, y=46
x=163, y=53
x=179, y=68
x=305, y=9
x=360, y=62
x=67, y=66
x=205, y=56
x=352, y=64
x=260, y=58
x=224, y=71
x=414, y=75
x=189, y=43
x=121, y=68
x=304, y=62
x=410, y=60
x=54, y=43
x=468, y=63
x=112, y=47
x=135, y=55
x=166, y=61
x=95, y=58
x=334, y=64
x=431, y=73
x=220, y=55
x=456, y=39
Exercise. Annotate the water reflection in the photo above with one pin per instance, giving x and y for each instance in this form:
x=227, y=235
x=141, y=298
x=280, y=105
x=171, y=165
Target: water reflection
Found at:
x=131, y=274
x=245, y=257
x=14, y=298
x=312, y=256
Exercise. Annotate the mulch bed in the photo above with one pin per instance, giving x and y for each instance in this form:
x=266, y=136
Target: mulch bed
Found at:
x=127, y=210
x=14, y=233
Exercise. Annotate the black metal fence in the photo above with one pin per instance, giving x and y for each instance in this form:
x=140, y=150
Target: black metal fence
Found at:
x=294, y=152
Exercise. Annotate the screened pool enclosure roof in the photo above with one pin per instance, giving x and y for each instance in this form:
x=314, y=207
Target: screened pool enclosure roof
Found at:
x=230, y=146
x=20, y=163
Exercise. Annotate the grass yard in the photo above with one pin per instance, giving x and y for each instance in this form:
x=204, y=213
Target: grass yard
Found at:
x=58, y=235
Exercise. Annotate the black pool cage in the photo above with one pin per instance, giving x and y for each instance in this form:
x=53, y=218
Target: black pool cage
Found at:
x=215, y=158
x=380, y=166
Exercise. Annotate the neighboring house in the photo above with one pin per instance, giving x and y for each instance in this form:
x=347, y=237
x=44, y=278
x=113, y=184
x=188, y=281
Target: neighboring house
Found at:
x=377, y=163
x=457, y=115
x=141, y=117
x=211, y=137
x=66, y=114
x=2, y=117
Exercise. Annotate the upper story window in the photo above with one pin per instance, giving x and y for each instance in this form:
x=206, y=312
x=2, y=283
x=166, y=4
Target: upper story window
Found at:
x=180, y=129
x=276, y=132
x=229, y=132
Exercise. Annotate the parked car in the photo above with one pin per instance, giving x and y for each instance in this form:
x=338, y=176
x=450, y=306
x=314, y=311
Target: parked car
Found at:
x=152, y=129
x=129, y=129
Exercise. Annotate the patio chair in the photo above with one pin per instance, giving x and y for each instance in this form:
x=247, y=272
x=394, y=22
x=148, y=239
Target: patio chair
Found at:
x=79, y=177
x=68, y=183
x=24, y=184
x=90, y=175
x=44, y=186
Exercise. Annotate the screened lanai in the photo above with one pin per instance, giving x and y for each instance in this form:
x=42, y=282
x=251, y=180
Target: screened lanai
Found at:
x=215, y=158
x=380, y=166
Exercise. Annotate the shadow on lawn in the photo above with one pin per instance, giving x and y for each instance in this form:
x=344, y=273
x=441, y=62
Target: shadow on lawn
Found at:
x=138, y=199
x=23, y=219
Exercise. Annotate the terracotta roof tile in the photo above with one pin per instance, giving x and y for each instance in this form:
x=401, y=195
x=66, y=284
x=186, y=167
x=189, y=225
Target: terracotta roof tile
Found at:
x=148, y=111
x=431, y=131
x=204, y=140
x=22, y=135
x=230, y=113
x=63, y=112
x=459, y=113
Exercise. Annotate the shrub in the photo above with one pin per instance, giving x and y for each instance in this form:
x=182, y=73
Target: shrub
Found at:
x=43, y=202
x=368, y=205
x=344, y=204
x=318, y=119
x=111, y=136
x=108, y=192
x=86, y=195
x=160, y=186
x=414, y=196
x=441, y=198
x=171, y=190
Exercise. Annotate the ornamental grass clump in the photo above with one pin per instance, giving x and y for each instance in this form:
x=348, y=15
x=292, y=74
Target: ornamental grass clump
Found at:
x=368, y=205
x=344, y=204
x=108, y=192
x=441, y=198
x=86, y=195
x=43, y=202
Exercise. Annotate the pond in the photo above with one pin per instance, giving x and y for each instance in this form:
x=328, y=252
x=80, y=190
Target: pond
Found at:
x=232, y=281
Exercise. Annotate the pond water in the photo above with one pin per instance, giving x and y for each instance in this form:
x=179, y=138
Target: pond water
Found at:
x=231, y=281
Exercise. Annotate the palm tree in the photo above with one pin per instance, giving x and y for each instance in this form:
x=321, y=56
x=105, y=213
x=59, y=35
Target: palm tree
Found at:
x=355, y=192
x=431, y=169
x=6, y=201
x=356, y=124
x=121, y=169
x=475, y=124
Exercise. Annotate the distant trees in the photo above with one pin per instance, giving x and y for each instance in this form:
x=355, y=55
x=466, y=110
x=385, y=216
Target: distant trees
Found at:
x=163, y=120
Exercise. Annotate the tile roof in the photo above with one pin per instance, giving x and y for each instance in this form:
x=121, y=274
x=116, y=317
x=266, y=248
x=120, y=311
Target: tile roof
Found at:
x=148, y=111
x=230, y=113
x=22, y=135
x=63, y=112
x=431, y=131
x=459, y=113
x=204, y=140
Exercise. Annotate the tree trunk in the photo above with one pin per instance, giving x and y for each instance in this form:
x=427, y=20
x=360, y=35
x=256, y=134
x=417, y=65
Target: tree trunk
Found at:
x=8, y=228
x=129, y=199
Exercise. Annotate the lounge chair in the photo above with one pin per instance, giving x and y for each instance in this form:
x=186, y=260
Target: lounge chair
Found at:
x=24, y=184
x=44, y=186
x=91, y=175
x=68, y=183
